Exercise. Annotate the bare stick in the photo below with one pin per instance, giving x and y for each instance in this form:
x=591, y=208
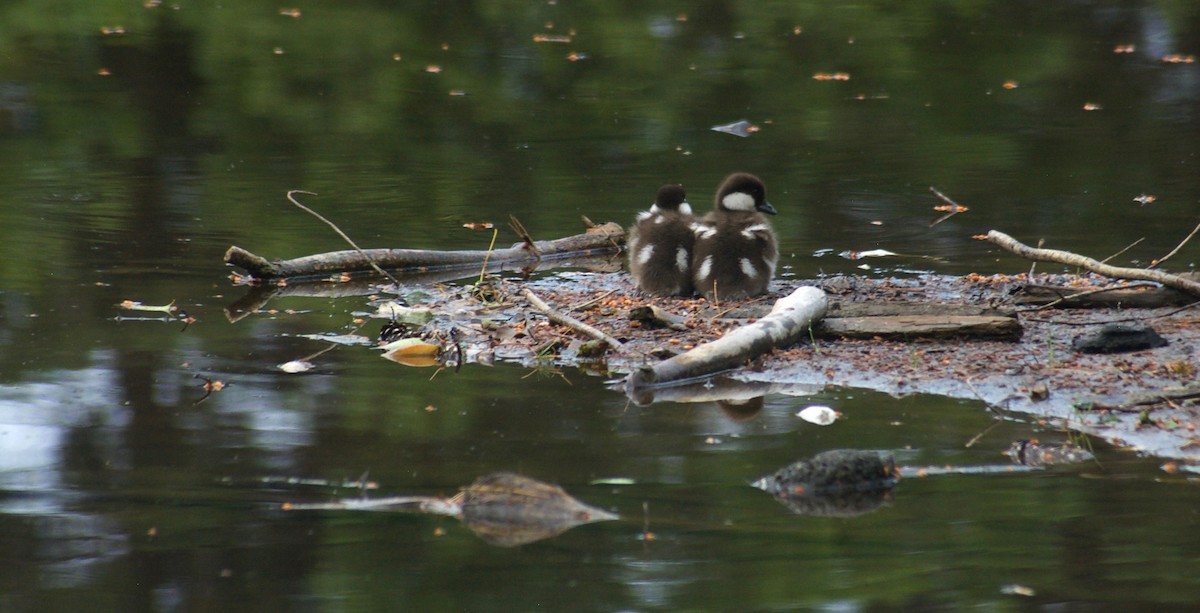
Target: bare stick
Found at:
x=519, y=228
x=291, y=198
x=1010, y=244
x=1176, y=249
x=483, y=270
x=1127, y=248
x=955, y=208
x=569, y=321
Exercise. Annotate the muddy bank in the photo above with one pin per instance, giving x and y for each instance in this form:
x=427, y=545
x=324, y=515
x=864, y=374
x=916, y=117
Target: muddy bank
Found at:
x=1037, y=375
x=1030, y=373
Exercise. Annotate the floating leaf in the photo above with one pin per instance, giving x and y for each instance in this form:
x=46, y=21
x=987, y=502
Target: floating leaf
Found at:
x=613, y=481
x=740, y=128
x=1176, y=58
x=409, y=348
x=551, y=38
x=296, y=366
x=398, y=312
x=133, y=305
x=819, y=415
x=873, y=253
x=832, y=76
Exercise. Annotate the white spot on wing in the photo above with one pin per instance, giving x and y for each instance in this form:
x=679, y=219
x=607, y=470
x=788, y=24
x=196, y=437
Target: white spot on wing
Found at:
x=748, y=268
x=682, y=259
x=738, y=201
x=759, y=228
x=645, y=254
x=705, y=268
x=703, y=231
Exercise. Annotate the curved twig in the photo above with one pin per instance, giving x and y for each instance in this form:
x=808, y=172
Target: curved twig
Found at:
x=1012, y=245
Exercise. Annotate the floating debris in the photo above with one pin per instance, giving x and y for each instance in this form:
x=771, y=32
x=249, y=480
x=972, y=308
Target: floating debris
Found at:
x=836, y=483
x=551, y=38
x=819, y=414
x=872, y=253
x=1032, y=453
x=504, y=509
x=740, y=128
x=296, y=366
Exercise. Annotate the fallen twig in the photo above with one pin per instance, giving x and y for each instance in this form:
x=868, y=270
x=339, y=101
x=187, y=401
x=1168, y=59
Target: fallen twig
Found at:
x=291, y=196
x=1010, y=244
x=1177, y=248
x=567, y=320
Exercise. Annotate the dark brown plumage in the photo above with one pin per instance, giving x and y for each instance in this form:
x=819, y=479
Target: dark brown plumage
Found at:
x=735, y=251
x=660, y=245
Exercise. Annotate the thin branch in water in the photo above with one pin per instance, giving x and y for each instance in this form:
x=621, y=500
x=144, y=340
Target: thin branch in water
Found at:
x=1127, y=248
x=291, y=198
x=952, y=209
x=1041, y=241
x=1176, y=249
x=519, y=228
x=483, y=269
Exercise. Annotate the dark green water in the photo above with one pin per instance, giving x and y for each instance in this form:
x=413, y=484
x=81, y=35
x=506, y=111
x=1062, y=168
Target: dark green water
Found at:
x=118, y=492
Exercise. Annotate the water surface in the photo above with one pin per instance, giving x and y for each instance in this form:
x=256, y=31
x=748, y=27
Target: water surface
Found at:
x=134, y=159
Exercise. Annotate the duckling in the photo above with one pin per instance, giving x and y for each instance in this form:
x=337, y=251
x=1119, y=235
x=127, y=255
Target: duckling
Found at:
x=736, y=249
x=660, y=245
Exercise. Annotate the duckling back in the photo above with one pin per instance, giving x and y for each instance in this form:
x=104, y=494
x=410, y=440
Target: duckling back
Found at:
x=736, y=250
x=660, y=245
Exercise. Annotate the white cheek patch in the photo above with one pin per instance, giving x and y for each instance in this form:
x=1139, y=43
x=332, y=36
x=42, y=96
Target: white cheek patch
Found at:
x=738, y=201
x=654, y=210
x=685, y=208
x=758, y=229
x=748, y=268
x=644, y=255
x=644, y=215
x=705, y=268
x=704, y=232
x=682, y=259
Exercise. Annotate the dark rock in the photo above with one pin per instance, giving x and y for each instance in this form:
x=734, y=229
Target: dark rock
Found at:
x=1118, y=338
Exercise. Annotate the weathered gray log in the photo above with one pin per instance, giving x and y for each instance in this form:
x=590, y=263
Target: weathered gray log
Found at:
x=606, y=238
x=940, y=326
x=1011, y=244
x=787, y=323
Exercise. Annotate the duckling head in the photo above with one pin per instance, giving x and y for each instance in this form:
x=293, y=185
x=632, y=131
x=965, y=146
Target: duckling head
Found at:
x=743, y=192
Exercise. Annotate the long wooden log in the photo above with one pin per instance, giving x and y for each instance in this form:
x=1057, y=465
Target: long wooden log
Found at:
x=604, y=238
x=1011, y=244
x=924, y=326
x=787, y=323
